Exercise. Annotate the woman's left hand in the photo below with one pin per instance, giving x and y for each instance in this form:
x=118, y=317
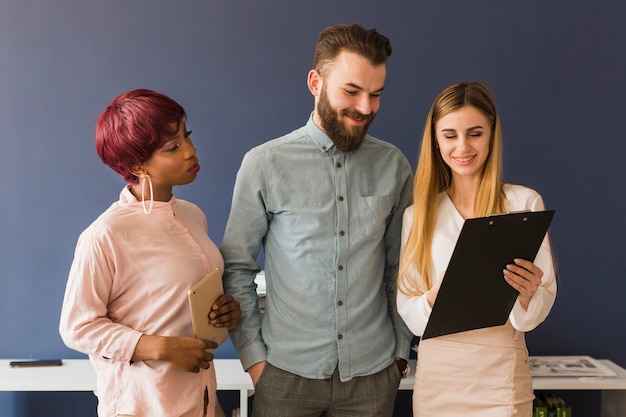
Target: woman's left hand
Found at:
x=225, y=312
x=525, y=277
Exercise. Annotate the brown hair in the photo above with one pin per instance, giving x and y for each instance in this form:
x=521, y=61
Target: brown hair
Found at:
x=354, y=38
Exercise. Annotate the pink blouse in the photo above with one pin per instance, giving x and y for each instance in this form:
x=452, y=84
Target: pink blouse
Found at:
x=130, y=276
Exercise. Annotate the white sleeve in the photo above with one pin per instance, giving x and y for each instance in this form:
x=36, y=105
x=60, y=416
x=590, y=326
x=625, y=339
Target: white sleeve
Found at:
x=542, y=301
x=414, y=310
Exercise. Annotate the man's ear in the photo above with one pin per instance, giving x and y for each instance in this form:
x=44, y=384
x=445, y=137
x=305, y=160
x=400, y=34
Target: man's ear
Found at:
x=315, y=82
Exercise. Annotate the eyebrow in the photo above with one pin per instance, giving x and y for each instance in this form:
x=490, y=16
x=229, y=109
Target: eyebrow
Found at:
x=358, y=87
x=167, y=144
x=471, y=128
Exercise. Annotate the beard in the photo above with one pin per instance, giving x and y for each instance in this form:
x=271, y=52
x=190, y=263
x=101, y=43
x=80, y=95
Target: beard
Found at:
x=346, y=139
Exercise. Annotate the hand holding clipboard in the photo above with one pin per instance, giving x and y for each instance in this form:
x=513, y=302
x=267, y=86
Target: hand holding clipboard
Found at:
x=485, y=246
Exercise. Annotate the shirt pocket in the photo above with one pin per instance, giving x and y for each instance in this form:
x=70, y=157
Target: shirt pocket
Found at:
x=373, y=213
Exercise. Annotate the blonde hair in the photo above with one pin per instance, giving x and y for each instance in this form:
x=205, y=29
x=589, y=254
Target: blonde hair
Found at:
x=433, y=176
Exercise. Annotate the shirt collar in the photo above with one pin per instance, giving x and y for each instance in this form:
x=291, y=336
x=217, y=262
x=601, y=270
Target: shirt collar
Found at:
x=321, y=139
x=127, y=199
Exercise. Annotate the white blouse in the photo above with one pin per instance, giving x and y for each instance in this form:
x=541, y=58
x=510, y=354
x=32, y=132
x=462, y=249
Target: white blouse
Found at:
x=415, y=310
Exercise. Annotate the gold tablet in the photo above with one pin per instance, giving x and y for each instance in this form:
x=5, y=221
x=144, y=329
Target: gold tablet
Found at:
x=201, y=298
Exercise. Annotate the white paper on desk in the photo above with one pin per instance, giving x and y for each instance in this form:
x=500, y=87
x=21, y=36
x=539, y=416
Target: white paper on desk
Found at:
x=561, y=366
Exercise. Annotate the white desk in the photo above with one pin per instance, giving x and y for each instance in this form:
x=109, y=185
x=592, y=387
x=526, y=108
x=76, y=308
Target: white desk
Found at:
x=613, y=388
x=78, y=375
x=231, y=376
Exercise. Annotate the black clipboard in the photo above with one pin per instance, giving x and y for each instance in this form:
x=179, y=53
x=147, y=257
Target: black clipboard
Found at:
x=474, y=294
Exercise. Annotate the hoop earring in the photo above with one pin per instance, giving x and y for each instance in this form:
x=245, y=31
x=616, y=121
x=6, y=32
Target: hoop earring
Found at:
x=143, y=201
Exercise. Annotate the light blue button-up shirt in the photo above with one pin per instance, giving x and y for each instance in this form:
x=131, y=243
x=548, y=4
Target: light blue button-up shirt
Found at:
x=329, y=225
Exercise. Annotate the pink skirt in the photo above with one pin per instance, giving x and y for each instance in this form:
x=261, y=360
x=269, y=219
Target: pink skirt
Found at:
x=475, y=373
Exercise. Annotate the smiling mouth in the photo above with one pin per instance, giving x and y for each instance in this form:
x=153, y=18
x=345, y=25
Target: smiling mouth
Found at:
x=464, y=160
x=359, y=117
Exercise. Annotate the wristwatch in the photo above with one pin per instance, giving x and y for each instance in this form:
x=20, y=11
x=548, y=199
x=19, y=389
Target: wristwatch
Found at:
x=403, y=370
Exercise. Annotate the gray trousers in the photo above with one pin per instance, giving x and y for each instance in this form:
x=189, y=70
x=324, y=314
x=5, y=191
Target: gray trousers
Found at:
x=280, y=393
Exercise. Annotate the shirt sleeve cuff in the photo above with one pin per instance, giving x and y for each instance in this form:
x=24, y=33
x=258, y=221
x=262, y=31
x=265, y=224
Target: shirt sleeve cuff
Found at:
x=252, y=354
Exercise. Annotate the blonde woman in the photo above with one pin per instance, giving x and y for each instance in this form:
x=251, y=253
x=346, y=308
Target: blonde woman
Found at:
x=480, y=372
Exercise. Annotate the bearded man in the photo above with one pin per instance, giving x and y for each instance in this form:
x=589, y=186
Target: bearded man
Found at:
x=325, y=204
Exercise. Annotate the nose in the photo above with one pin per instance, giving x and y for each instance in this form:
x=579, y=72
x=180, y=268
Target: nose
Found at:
x=364, y=104
x=190, y=150
x=463, y=141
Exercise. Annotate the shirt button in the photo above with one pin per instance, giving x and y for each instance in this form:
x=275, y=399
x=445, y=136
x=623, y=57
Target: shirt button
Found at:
x=340, y=198
x=323, y=148
x=340, y=336
x=338, y=164
x=340, y=267
x=342, y=233
x=339, y=303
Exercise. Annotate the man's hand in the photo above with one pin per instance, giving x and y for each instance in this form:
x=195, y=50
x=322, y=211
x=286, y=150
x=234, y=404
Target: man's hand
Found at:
x=403, y=366
x=255, y=371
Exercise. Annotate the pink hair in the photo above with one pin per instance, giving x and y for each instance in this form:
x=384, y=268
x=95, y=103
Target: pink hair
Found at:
x=133, y=126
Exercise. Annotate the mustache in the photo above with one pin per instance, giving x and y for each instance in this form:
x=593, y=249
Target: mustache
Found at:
x=357, y=115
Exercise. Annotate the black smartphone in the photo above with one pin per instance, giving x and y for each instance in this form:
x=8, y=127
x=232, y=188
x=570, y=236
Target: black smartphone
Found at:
x=35, y=362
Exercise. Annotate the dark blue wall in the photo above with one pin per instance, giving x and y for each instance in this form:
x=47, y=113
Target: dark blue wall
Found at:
x=557, y=70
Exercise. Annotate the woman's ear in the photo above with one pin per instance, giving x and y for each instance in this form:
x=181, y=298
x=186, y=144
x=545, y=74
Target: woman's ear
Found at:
x=138, y=171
